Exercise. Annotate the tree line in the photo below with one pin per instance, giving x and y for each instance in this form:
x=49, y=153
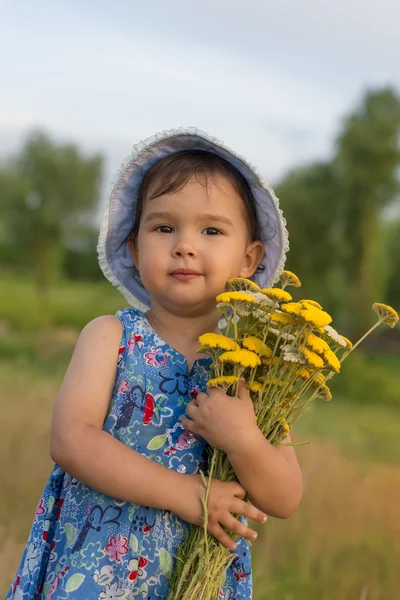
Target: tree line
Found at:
x=341, y=213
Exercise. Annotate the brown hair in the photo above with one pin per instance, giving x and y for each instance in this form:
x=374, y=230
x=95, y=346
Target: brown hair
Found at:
x=171, y=173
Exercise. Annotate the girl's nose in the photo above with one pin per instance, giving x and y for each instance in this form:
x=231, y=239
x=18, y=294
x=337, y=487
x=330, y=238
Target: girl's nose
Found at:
x=184, y=248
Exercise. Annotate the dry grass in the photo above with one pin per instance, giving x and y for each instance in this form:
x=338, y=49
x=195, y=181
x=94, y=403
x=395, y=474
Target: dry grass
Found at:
x=342, y=544
x=25, y=463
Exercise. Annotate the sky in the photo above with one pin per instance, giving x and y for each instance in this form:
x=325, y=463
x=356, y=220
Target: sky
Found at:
x=273, y=79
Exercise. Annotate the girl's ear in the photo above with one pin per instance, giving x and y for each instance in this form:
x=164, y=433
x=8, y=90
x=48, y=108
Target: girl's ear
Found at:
x=253, y=257
x=133, y=251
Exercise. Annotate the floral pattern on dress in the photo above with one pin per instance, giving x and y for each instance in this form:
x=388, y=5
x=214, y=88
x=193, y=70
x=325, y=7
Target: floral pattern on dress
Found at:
x=86, y=545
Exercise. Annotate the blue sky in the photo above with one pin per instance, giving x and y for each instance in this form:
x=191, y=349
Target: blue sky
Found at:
x=271, y=78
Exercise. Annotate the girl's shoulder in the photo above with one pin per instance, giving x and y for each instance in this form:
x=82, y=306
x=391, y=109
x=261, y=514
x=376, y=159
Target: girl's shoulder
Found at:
x=125, y=322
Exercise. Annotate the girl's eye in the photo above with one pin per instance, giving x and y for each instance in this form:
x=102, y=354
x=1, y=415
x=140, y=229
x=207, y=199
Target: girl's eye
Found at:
x=213, y=231
x=164, y=229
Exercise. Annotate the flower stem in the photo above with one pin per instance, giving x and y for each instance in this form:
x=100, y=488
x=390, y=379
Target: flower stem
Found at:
x=345, y=355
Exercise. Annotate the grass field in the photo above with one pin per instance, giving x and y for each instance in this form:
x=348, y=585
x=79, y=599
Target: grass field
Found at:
x=343, y=543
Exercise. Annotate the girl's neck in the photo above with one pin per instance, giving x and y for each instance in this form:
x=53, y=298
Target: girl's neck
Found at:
x=182, y=332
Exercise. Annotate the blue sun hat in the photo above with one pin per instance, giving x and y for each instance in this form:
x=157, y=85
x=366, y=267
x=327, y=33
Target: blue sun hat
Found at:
x=114, y=257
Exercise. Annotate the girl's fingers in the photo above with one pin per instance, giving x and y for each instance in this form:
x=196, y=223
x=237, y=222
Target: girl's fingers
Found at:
x=217, y=531
x=248, y=510
x=237, y=489
x=188, y=424
x=242, y=389
x=191, y=410
x=239, y=528
x=201, y=396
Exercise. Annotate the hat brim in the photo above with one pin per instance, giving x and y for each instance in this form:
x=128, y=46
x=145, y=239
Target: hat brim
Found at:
x=114, y=257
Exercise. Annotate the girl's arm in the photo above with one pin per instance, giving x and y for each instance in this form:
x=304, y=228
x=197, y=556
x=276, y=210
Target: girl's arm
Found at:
x=93, y=456
x=78, y=443
x=270, y=474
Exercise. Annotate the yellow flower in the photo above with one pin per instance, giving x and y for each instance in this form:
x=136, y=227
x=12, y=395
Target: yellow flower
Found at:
x=223, y=382
x=241, y=284
x=277, y=294
x=285, y=426
x=316, y=344
x=256, y=386
x=270, y=361
x=282, y=318
x=318, y=329
x=386, y=314
x=312, y=359
x=318, y=380
x=315, y=316
x=203, y=349
x=349, y=344
x=255, y=345
x=311, y=303
x=289, y=278
x=305, y=374
x=245, y=358
x=234, y=297
x=332, y=361
x=216, y=340
x=324, y=392
x=293, y=308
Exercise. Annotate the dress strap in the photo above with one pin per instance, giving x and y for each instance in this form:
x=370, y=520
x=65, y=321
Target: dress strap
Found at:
x=130, y=319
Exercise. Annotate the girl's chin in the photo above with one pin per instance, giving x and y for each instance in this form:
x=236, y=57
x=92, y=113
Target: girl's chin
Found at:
x=186, y=298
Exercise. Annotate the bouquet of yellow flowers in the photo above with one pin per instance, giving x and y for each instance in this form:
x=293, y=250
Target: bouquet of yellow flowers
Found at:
x=286, y=351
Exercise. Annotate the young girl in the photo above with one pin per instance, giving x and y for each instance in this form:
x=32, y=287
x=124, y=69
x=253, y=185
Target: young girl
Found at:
x=132, y=417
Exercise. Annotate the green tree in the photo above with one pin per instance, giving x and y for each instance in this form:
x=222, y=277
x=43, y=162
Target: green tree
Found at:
x=338, y=237
x=311, y=201
x=46, y=191
x=12, y=189
x=80, y=258
x=393, y=243
x=367, y=159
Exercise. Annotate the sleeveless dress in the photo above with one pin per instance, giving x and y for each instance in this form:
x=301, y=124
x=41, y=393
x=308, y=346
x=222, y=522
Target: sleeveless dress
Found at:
x=88, y=546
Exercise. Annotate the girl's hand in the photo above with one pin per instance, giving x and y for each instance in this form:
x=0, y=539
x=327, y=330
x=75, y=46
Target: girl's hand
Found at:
x=221, y=419
x=225, y=499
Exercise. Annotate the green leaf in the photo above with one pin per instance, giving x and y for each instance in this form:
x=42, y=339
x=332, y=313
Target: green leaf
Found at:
x=144, y=588
x=133, y=543
x=157, y=442
x=46, y=589
x=165, y=561
x=70, y=532
x=74, y=582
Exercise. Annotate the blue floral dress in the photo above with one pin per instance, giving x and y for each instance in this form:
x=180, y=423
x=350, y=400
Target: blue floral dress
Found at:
x=88, y=546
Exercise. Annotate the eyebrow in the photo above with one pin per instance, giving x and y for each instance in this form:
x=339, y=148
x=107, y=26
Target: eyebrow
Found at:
x=206, y=217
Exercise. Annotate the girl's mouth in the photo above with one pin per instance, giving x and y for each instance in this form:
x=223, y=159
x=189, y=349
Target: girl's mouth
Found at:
x=185, y=274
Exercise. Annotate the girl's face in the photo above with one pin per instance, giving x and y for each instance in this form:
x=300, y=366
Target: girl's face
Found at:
x=190, y=242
